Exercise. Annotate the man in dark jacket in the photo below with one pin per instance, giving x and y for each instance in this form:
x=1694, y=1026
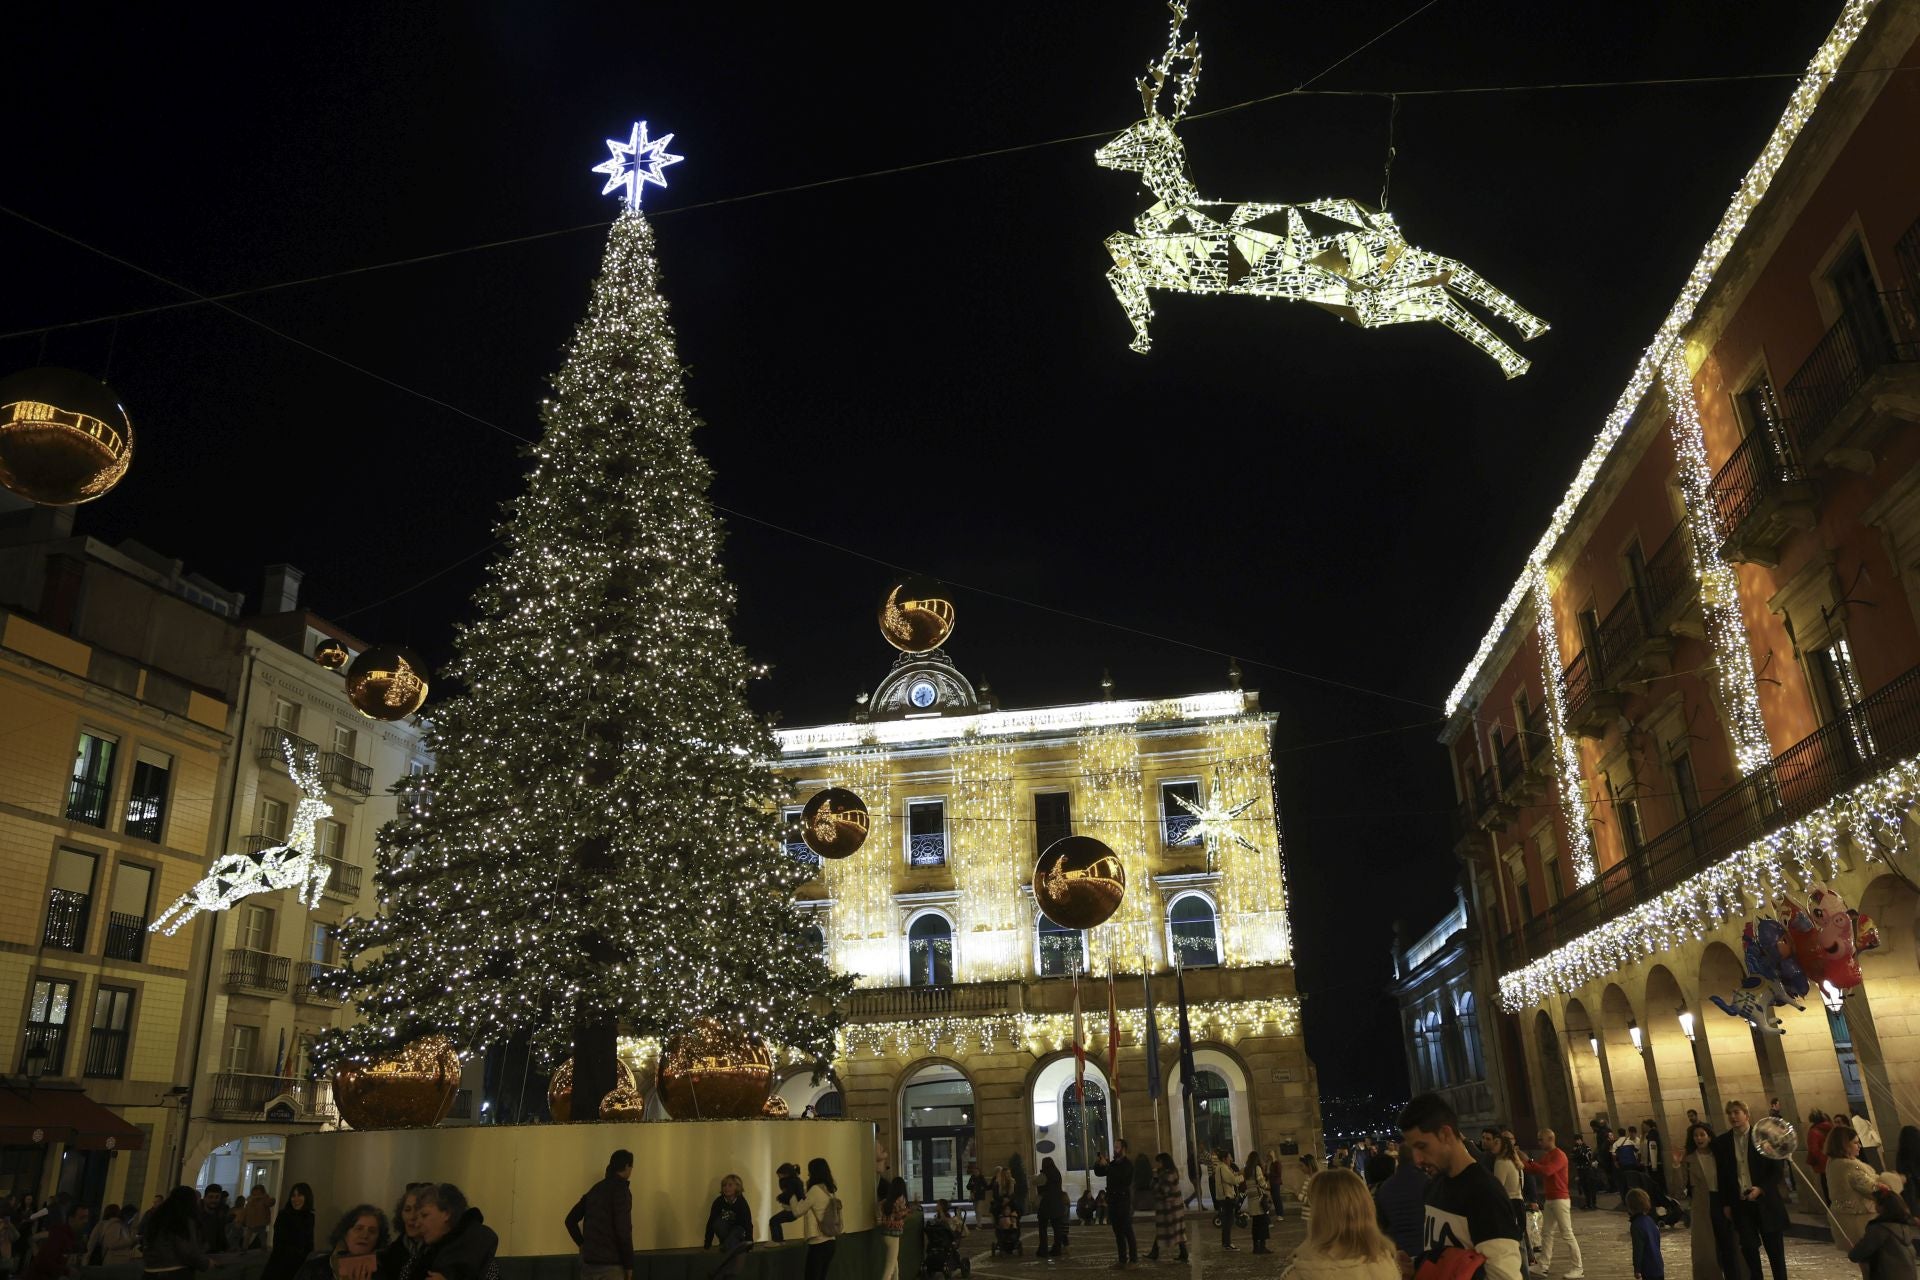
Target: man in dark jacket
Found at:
x=601, y=1223
x=1750, y=1193
x=1119, y=1175
x=1401, y=1199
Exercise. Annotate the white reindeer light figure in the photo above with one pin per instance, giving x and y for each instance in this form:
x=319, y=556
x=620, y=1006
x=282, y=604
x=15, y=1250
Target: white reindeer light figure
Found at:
x=1338, y=254
x=292, y=865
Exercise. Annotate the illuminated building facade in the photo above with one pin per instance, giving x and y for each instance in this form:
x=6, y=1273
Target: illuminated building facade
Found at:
x=959, y=1036
x=1704, y=691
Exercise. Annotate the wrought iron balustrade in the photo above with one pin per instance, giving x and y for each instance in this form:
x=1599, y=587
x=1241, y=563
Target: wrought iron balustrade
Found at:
x=106, y=1053
x=126, y=936
x=928, y=849
x=87, y=802
x=1874, y=332
x=257, y=970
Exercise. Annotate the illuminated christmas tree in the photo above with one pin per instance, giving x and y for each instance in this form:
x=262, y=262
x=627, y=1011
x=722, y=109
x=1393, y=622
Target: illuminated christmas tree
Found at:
x=601, y=853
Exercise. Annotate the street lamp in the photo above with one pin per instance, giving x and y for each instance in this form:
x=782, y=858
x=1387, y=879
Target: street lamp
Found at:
x=1633, y=1034
x=1686, y=1024
x=1593, y=1043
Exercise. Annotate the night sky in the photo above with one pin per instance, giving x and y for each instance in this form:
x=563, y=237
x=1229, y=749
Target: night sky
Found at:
x=926, y=368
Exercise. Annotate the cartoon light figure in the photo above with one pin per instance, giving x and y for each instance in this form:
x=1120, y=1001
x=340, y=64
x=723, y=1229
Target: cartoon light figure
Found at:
x=1338, y=254
x=292, y=865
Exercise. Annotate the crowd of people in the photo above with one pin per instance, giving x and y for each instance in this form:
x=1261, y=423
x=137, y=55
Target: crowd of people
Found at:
x=433, y=1234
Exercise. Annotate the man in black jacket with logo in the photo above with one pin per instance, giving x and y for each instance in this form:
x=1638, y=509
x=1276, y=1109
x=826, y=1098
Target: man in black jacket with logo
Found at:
x=601, y=1223
x=1750, y=1192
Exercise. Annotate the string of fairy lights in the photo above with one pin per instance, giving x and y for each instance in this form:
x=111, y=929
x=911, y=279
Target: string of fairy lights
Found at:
x=1869, y=820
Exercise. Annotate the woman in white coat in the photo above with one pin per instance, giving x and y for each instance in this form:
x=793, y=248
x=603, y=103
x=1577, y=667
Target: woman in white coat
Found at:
x=1344, y=1241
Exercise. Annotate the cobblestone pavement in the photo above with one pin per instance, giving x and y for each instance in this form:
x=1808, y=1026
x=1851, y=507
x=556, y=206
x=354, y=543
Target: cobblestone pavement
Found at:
x=1602, y=1236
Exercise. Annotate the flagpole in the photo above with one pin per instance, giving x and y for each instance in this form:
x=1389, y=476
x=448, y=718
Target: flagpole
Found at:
x=1152, y=1035
x=1113, y=1051
x=1186, y=1093
x=1080, y=1082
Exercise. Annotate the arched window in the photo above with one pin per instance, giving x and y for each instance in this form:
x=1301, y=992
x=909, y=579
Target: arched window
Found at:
x=1470, y=1037
x=1212, y=1112
x=1086, y=1124
x=831, y=1106
x=1061, y=951
x=1436, y=1051
x=930, y=951
x=1191, y=931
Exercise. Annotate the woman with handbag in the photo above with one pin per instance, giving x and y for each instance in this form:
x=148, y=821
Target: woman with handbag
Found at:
x=1259, y=1201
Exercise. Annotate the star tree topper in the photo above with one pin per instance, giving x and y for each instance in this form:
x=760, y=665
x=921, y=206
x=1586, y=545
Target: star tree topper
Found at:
x=635, y=163
x=1213, y=821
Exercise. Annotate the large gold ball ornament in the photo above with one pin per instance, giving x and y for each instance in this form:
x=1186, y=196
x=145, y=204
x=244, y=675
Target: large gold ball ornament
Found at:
x=714, y=1072
x=916, y=616
x=625, y=1104
x=1079, y=882
x=413, y=1089
x=387, y=683
x=834, y=823
x=64, y=438
x=560, y=1090
x=331, y=654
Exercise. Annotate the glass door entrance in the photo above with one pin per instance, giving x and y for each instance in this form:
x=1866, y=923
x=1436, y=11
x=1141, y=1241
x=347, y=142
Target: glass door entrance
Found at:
x=932, y=1169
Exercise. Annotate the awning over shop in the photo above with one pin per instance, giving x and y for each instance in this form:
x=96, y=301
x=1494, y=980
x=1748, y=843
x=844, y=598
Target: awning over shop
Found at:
x=45, y=1114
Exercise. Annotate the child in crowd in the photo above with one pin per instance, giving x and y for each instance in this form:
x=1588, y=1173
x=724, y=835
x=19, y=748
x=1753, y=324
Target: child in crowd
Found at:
x=1884, y=1248
x=1645, y=1234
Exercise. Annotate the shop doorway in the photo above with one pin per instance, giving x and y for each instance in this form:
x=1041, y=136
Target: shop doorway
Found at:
x=936, y=1132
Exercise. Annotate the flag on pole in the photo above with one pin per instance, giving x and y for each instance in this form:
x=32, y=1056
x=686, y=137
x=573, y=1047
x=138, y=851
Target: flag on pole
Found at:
x=1113, y=1036
x=1153, y=1042
x=1079, y=1045
x=1186, y=1033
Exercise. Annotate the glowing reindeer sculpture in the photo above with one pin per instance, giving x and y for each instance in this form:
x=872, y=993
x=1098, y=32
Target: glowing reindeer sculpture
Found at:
x=1340, y=255
x=292, y=865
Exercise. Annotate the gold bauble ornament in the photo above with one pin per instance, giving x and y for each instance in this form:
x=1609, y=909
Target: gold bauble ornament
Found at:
x=775, y=1106
x=1079, y=882
x=916, y=616
x=412, y=1089
x=625, y=1104
x=714, y=1072
x=64, y=437
x=331, y=654
x=834, y=823
x=560, y=1089
x=387, y=683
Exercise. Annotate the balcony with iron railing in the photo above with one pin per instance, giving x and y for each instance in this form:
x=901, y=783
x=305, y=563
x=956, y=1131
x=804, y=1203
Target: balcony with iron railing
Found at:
x=1179, y=829
x=261, y=841
x=68, y=913
x=343, y=879
x=1760, y=496
x=889, y=1004
x=1669, y=588
x=346, y=773
x=307, y=988
x=87, y=802
x=1592, y=699
x=48, y=1040
x=126, y=936
x=106, y=1053
x=1879, y=731
x=1509, y=763
x=1873, y=344
x=239, y=1095
x=273, y=744
x=928, y=849
x=258, y=972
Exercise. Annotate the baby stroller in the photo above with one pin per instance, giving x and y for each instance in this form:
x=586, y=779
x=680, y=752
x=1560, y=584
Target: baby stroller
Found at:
x=1667, y=1211
x=942, y=1256
x=1006, y=1229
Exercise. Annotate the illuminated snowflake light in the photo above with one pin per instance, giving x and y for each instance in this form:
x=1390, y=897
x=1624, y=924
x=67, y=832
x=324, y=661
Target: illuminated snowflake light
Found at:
x=635, y=163
x=291, y=865
x=1213, y=821
x=1338, y=254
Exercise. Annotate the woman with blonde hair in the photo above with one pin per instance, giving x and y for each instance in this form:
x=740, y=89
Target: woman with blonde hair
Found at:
x=1344, y=1241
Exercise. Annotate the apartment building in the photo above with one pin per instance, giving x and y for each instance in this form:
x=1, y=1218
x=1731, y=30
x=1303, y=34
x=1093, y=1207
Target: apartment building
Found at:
x=1704, y=688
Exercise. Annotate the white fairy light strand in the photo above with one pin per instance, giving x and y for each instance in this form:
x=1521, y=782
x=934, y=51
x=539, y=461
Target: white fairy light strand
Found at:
x=1749, y=879
x=1719, y=587
x=1566, y=750
x=1753, y=187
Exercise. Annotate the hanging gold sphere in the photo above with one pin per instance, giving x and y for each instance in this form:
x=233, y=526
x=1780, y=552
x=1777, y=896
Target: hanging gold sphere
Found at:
x=834, y=823
x=776, y=1107
x=331, y=654
x=387, y=683
x=1079, y=882
x=560, y=1090
x=714, y=1072
x=64, y=438
x=916, y=616
x=624, y=1105
x=412, y=1089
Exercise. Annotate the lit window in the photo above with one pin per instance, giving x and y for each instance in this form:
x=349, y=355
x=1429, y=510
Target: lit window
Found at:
x=1192, y=931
